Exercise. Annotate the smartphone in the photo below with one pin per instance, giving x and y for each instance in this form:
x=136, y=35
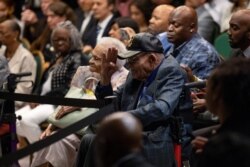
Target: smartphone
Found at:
x=124, y=34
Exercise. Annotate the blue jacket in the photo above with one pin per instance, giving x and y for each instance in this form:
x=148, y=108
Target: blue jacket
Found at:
x=163, y=95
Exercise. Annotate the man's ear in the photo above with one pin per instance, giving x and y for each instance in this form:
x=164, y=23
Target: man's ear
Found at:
x=152, y=59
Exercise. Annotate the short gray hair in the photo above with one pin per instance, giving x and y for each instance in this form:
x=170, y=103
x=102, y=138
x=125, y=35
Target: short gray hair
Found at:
x=110, y=42
x=75, y=36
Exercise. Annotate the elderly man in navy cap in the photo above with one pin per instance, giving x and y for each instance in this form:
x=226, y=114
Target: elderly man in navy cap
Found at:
x=150, y=93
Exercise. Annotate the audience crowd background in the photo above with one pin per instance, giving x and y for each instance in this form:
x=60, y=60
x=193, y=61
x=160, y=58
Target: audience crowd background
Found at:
x=169, y=43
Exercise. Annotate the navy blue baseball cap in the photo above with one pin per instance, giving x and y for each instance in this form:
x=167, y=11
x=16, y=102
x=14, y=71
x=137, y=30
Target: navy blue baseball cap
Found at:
x=142, y=42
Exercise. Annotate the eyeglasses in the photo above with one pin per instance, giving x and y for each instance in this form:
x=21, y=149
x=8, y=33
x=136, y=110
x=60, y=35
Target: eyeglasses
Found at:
x=62, y=40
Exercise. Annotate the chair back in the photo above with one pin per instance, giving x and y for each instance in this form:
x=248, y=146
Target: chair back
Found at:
x=41, y=66
x=25, y=42
x=222, y=46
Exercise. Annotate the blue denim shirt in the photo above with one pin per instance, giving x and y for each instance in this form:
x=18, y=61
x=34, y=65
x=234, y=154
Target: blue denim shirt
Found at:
x=164, y=41
x=197, y=54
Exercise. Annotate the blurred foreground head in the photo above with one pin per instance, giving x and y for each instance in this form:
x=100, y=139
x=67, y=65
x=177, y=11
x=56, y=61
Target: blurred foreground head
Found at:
x=228, y=93
x=118, y=135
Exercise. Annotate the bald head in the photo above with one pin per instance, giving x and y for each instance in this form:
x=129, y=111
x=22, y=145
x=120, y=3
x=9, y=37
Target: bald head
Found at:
x=243, y=16
x=124, y=124
x=239, y=29
x=182, y=25
x=159, y=20
x=186, y=14
x=118, y=135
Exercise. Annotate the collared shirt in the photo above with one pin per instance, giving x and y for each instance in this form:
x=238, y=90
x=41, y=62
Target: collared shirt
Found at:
x=197, y=54
x=86, y=21
x=148, y=81
x=214, y=8
x=102, y=25
x=164, y=41
x=247, y=52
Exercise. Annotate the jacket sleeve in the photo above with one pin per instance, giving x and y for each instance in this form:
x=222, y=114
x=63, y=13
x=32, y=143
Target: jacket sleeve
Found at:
x=163, y=98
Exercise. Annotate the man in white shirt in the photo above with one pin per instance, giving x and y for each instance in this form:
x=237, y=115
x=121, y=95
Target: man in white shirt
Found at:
x=104, y=17
x=84, y=15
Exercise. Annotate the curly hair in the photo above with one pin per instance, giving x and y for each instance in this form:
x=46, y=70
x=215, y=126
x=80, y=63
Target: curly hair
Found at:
x=75, y=36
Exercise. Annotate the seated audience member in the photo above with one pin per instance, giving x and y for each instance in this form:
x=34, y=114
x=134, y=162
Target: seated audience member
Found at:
x=239, y=28
x=84, y=15
x=229, y=10
x=56, y=12
x=123, y=149
x=175, y=3
x=140, y=12
x=150, y=93
x=103, y=13
x=4, y=70
x=19, y=58
x=70, y=144
x=117, y=30
x=228, y=96
x=230, y=150
x=56, y=80
x=7, y=9
x=214, y=8
x=158, y=24
x=190, y=49
x=7, y=12
x=123, y=7
x=237, y=32
x=35, y=24
x=205, y=19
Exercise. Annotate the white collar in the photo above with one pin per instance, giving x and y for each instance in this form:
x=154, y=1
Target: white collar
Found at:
x=246, y=52
x=104, y=23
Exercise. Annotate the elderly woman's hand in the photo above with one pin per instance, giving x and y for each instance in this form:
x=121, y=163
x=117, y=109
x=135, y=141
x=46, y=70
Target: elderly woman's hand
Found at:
x=108, y=66
x=65, y=110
